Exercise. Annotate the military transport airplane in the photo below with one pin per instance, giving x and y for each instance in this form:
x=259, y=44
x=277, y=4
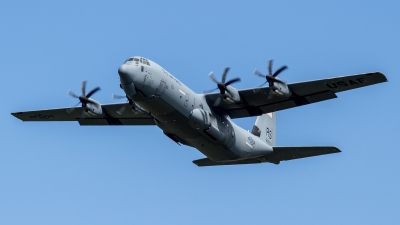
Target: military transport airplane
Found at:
x=203, y=121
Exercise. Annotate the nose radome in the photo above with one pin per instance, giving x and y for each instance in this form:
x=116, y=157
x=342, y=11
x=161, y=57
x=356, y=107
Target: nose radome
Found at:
x=124, y=74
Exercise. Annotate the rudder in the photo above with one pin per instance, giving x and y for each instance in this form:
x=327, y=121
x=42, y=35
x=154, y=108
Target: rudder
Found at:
x=265, y=128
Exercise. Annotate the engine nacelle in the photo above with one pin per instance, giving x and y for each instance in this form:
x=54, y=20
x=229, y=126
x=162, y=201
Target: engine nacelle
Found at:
x=93, y=110
x=231, y=95
x=281, y=89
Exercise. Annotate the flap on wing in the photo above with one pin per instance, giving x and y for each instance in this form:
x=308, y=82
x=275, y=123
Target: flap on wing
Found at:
x=280, y=105
x=209, y=162
x=115, y=121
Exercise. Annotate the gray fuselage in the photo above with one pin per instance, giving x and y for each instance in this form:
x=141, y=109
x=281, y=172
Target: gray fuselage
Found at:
x=184, y=116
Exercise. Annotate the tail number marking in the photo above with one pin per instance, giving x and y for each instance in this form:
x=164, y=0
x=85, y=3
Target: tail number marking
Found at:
x=269, y=133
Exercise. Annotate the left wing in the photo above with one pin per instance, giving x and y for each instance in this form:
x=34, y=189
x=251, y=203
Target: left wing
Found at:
x=256, y=101
x=110, y=117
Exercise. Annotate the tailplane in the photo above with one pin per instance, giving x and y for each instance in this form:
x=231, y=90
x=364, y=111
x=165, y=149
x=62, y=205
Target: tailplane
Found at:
x=279, y=154
x=265, y=128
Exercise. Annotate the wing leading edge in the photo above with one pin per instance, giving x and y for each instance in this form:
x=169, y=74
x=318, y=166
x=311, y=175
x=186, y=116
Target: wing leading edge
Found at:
x=111, y=117
x=279, y=154
x=256, y=101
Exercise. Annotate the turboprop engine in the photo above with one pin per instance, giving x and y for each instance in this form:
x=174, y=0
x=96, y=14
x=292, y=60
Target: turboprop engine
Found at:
x=91, y=108
x=228, y=93
x=277, y=86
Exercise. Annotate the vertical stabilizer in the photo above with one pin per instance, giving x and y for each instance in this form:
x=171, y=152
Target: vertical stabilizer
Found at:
x=265, y=128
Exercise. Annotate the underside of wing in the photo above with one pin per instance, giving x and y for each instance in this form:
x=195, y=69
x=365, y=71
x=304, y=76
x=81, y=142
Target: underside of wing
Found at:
x=257, y=101
x=279, y=154
x=109, y=117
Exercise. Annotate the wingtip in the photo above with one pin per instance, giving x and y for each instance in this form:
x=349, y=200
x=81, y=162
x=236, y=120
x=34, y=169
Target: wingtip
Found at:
x=382, y=76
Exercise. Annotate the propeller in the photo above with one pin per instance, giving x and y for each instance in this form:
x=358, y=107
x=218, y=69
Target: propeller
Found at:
x=84, y=98
x=122, y=109
x=222, y=86
x=271, y=77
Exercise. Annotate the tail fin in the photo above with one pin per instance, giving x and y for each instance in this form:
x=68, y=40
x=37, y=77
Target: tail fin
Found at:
x=265, y=128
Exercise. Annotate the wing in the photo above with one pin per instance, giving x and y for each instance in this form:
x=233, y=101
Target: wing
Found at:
x=111, y=117
x=256, y=101
x=279, y=154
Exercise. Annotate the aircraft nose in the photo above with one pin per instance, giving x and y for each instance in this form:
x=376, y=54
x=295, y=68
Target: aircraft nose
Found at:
x=125, y=76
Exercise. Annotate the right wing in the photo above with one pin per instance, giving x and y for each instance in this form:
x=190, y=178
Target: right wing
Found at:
x=279, y=154
x=256, y=101
x=111, y=117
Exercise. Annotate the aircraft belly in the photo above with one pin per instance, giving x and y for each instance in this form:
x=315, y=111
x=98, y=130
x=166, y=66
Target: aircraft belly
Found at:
x=172, y=121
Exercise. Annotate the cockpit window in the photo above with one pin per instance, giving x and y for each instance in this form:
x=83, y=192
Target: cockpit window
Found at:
x=142, y=60
x=130, y=59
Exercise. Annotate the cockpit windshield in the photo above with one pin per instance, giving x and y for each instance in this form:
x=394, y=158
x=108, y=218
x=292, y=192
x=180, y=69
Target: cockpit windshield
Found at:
x=142, y=60
x=128, y=60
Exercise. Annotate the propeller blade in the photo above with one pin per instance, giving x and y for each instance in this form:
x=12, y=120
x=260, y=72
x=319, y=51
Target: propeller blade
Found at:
x=270, y=94
x=70, y=110
x=224, y=74
x=92, y=92
x=270, y=66
x=70, y=93
x=117, y=96
x=121, y=110
x=216, y=103
x=209, y=91
x=84, y=88
x=279, y=70
x=211, y=76
x=263, y=84
x=234, y=80
x=83, y=115
x=258, y=73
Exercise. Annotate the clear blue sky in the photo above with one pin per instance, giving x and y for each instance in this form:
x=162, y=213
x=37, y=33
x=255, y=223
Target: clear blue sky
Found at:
x=61, y=173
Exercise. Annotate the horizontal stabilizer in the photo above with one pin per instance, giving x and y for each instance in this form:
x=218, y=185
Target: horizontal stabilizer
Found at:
x=279, y=154
x=289, y=153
